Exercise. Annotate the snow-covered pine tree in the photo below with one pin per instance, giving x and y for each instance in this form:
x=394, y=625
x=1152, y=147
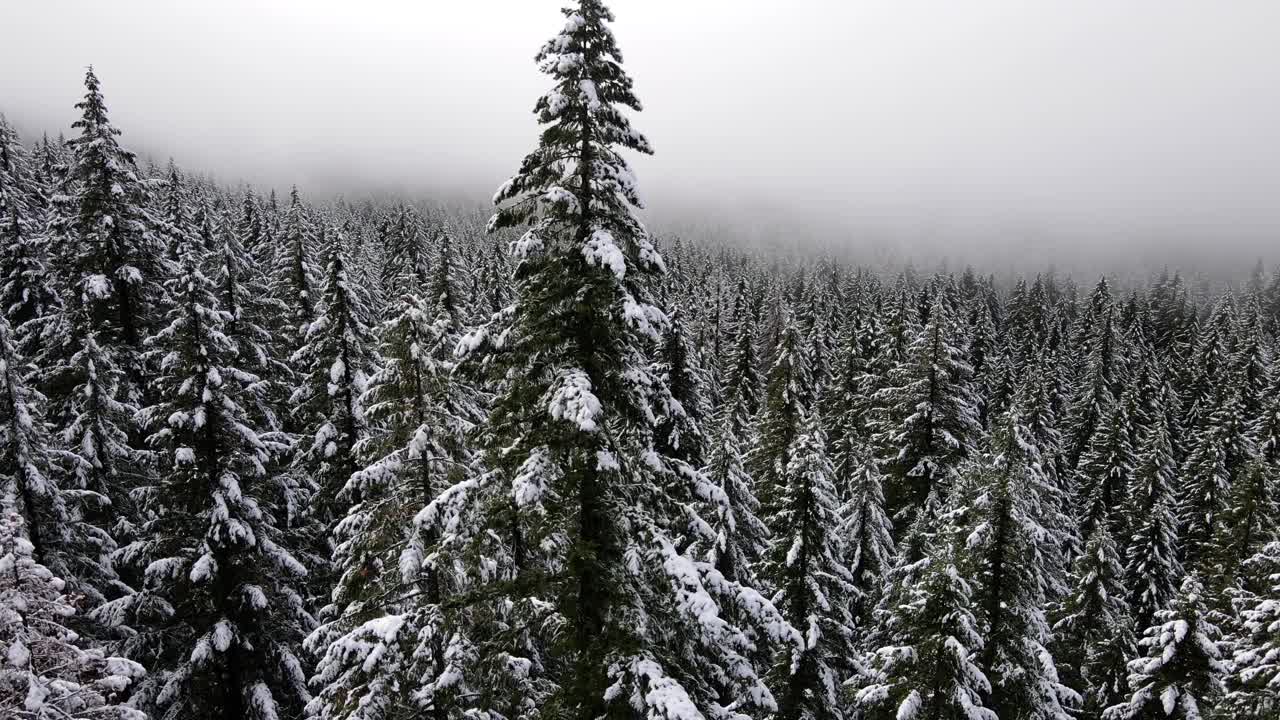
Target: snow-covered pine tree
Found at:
x=18, y=188
x=243, y=293
x=866, y=533
x=102, y=468
x=931, y=423
x=1179, y=675
x=573, y=426
x=1153, y=571
x=176, y=228
x=741, y=537
x=220, y=601
x=787, y=391
x=1008, y=547
x=804, y=567
x=25, y=449
x=1093, y=635
x=110, y=261
x=388, y=652
x=1204, y=388
x=1097, y=384
x=1254, y=682
x=927, y=666
x=293, y=277
x=27, y=295
x=46, y=671
x=335, y=362
x=1222, y=448
x=1104, y=474
x=680, y=423
x=742, y=377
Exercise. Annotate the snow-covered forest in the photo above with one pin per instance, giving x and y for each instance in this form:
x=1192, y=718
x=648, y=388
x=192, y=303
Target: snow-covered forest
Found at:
x=271, y=456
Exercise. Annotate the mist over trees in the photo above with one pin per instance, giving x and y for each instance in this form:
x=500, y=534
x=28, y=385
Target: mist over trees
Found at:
x=264, y=456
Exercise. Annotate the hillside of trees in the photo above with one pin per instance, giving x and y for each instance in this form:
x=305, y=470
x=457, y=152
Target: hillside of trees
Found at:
x=267, y=456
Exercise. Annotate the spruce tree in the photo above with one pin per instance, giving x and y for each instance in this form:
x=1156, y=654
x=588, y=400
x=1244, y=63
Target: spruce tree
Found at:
x=1153, y=570
x=741, y=537
x=1008, y=547
x=388, y=651
x=110, y=261
x=1180, y=674
x=1093, y=635
x=1254, y=683
x=786, y=404
x=928, y=666
x=805, y=568
x=27, y=295
x=335, y=363
x=680, y=423
x=1222, y=448
x=293, y=276
x=867, y=535
x=931, y=422
x=1104, y=474
x=572, y=425
x=1098, y=381
x=220, y=583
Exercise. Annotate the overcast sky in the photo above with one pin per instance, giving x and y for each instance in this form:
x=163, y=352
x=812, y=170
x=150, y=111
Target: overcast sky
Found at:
x=1017, y=124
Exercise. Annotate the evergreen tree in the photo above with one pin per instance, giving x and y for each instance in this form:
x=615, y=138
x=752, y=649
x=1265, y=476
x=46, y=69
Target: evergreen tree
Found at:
x=1254, y=683
x=1222, y=449
x=336, y=361
x=292, y=275
x=741, y=537
x=1093, y=635
x=1008, y=547
x=573, y=429
x=804, y=565
x=931, y=422
x=1180, y=674
x=928, y=668
x=387, y=653
x=679, y=424
x=1098, y=381
x=175, y=227
x=1104, y=474
x=243, y=292
x=1153, y=570
x=27, y=295
x=867, y=534
x=110, y=260
x=25, y=462
x=225, y=618
x=786, y=403
x=47, y=671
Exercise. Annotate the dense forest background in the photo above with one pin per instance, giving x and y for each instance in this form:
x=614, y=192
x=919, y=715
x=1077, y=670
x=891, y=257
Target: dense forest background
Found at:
x=264, y=457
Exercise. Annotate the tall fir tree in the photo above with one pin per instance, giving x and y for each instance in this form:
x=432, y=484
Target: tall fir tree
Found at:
x=110, y=261
x=336, y=361
x=811, y=585
x=1008, y=547
x=1153, y=569
x=1254, y=683
x=220, y=598
x=931, y=421
x=788, y=392
x=388, y=651
x=927, y=667
x=573, y=425
x=1093, y=635
x=1180, y=673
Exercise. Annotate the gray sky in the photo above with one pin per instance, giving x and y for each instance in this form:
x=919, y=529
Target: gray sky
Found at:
x=1018, y=125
